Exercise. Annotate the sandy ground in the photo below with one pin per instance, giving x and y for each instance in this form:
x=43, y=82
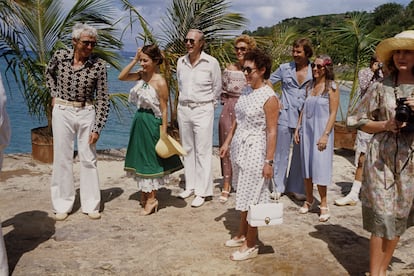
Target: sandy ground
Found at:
x=179, y=239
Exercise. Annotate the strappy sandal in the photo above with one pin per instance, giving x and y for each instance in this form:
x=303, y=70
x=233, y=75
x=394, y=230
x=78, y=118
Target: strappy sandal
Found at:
x=306, y=207
x=324, y=217
x=224, y=196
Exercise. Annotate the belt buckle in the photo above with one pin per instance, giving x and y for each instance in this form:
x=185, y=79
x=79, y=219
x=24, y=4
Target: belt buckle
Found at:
x=193, y=105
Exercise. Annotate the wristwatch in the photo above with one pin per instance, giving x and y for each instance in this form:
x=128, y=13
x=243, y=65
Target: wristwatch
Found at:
x=270, y=162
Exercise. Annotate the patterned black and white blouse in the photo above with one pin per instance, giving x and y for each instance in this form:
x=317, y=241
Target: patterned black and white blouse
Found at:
x=88, y=83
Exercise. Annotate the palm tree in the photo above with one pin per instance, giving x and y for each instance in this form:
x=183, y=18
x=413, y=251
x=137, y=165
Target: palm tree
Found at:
x=211, y=17
x=354, y=35
x=30, y=31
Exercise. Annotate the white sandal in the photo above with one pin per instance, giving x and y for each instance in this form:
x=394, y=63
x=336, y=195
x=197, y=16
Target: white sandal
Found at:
x=306, y=207
x=222, y=198
x=324, y=217
x=249, y=253
x=235, y=242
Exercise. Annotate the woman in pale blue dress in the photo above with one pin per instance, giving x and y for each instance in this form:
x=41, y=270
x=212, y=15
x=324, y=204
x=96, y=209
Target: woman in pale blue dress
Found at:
x=150, y=95
x=316, y=122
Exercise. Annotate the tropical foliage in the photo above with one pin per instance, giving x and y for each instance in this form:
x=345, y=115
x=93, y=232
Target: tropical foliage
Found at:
x=211, y=17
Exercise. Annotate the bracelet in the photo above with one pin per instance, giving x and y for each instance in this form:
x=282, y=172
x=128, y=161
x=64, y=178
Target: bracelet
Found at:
x=327, y=133
x=269, y=162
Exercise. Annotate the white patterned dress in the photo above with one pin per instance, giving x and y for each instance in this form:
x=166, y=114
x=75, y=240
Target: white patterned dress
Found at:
x=248, y=146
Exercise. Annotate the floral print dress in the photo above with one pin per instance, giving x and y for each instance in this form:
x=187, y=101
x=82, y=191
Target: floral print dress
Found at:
x=387, y=192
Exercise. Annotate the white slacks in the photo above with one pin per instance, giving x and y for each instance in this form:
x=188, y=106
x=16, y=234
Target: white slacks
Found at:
x=70, y=123
x=196, y=134
x=293, y=182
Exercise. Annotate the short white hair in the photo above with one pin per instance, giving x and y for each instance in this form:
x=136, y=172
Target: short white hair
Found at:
x=81, y=28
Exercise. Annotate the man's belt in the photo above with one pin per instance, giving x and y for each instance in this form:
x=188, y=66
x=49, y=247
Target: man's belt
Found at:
x=192, y=104
x=72, y=103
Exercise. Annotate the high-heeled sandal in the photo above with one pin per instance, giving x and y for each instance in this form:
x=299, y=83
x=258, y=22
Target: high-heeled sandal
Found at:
x=307, y=206
x=324, y=217
x=150, y=206
x=144, y=198
x=224, y=196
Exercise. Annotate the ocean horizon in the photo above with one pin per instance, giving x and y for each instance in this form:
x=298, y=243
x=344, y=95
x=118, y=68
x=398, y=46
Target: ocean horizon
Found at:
x=115, y=135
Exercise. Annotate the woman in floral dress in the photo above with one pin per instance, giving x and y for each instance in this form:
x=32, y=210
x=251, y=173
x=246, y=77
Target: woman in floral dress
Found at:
x=150, y=95
x=387, y=191
x=252, y=143
x=233, y=81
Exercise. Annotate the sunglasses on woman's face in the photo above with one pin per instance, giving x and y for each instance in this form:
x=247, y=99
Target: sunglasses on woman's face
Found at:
x=243, y=49
x=319, y=66
x=248, y=69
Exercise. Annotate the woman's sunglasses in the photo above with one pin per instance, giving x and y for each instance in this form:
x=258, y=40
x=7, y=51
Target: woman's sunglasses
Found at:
x=243, y=49
x=248, y=69
x=319, y=66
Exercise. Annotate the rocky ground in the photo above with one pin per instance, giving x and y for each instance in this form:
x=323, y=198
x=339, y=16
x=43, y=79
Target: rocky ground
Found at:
x=179, y=239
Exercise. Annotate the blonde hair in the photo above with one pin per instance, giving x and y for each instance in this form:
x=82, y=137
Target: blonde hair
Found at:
x=250, y=41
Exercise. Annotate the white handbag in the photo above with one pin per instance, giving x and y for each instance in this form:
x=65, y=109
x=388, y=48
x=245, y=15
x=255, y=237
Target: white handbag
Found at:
x=265, y=214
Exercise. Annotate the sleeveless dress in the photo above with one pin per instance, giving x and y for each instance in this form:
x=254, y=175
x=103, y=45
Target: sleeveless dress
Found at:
x=248, y=146
x=141, y=160
x=316, y=164
x=233, y=83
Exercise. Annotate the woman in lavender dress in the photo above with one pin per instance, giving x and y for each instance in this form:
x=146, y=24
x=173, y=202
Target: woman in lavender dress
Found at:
x=233, y=82
x=316, y=122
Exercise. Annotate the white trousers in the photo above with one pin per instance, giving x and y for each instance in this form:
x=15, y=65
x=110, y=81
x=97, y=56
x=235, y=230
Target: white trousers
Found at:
x=4, y=267
x=196, y=134
x=70, y=123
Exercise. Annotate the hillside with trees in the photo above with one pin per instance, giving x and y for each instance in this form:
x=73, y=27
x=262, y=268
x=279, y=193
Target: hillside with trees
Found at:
x=336, y=34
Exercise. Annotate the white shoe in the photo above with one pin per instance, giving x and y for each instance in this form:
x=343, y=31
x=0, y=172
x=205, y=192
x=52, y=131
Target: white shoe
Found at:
x=234, y=243
x=61, y=216
x=186, y=193
x=275, y=195
x=94, y=215
x=249, y=253
x=198, y=201
x=347, y=200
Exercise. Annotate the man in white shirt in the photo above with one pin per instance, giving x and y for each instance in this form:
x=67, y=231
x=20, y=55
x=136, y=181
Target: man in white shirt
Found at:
x=199, y=82
x=4, y=141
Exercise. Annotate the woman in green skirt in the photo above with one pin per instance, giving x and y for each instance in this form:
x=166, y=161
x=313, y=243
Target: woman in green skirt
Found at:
x=150, y=95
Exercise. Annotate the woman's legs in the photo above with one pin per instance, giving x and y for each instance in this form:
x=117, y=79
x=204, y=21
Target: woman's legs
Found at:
x=322, y=193
x=381, y=251
x=309, y=193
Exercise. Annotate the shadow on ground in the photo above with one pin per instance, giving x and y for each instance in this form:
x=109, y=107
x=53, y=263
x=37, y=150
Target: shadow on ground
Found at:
x=30, y=229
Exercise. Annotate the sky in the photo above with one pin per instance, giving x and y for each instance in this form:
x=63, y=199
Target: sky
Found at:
x=263, y=13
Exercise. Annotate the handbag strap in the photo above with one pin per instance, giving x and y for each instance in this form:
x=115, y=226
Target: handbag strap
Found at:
x=259, y=189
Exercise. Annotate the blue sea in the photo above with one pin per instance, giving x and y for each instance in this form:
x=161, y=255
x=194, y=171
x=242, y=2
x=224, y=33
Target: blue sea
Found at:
x=116, y=132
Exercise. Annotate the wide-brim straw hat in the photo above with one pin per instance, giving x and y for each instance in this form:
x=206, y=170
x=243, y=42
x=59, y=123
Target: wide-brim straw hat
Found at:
x=168, y=146
x=401, y=41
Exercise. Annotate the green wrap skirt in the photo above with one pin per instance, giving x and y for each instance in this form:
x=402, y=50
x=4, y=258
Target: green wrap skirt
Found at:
x=141, y=158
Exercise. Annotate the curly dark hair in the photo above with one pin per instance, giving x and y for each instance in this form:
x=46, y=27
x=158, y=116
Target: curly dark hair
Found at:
x=261, y=59
x=154, y=53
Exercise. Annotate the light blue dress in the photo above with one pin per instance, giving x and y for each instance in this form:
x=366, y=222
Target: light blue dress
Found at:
x=316, y=164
